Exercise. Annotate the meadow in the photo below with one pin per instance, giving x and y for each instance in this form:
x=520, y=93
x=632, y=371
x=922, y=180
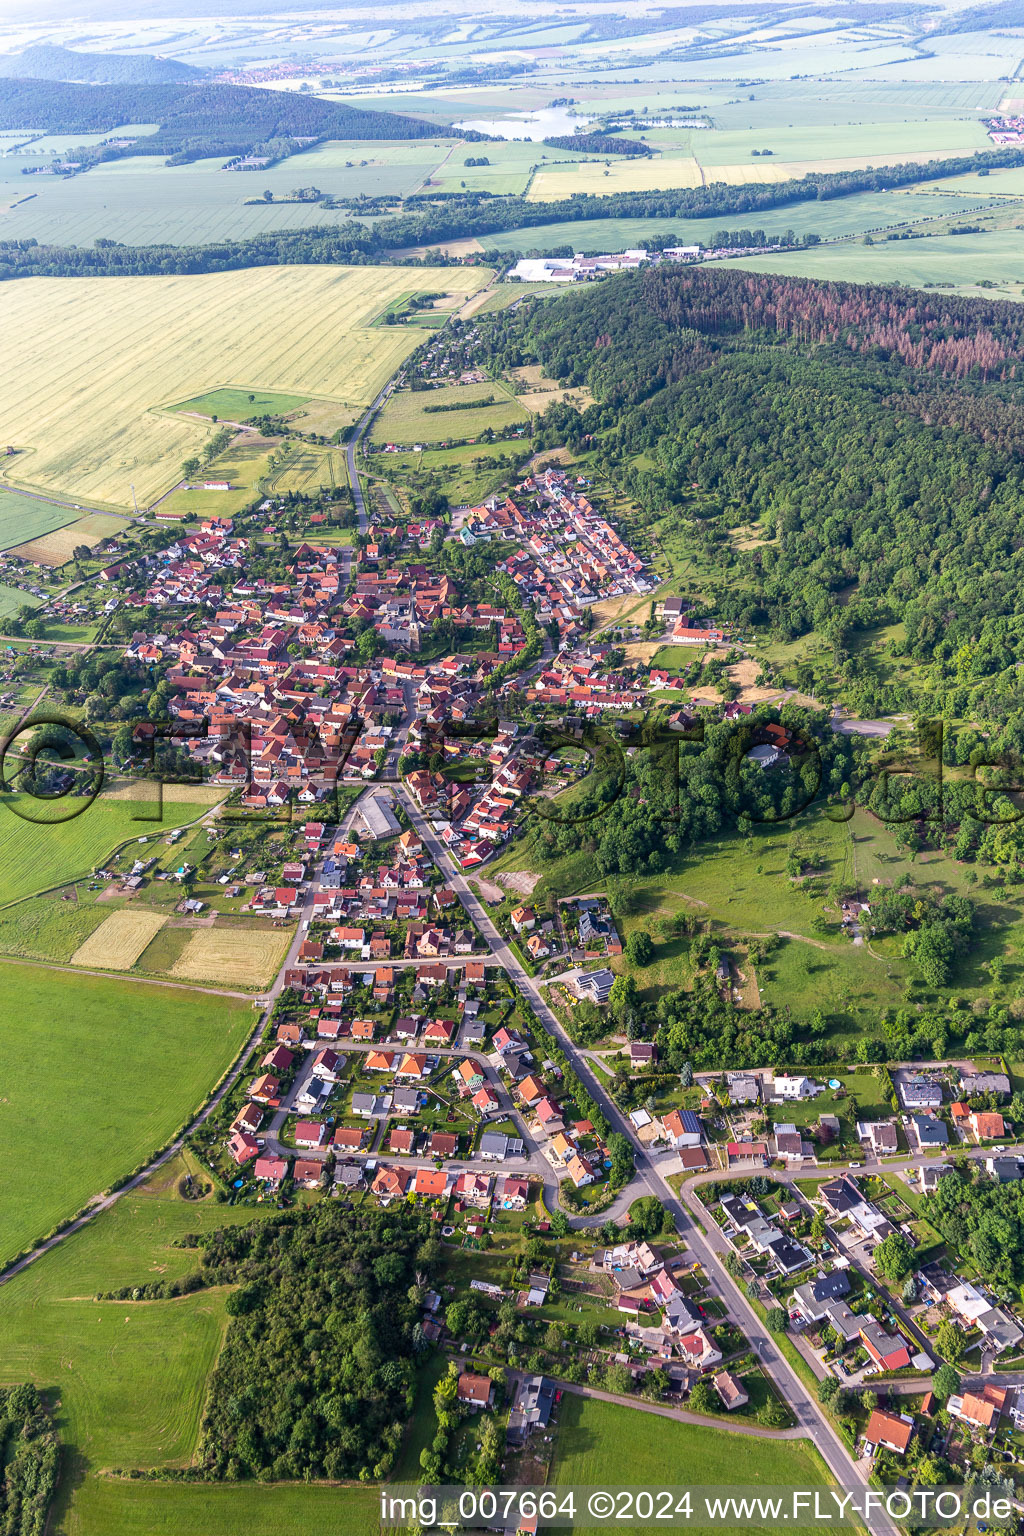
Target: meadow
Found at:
x=406, y=419
x=601, y=1444
x=87, y=360
x=110, y=1067
x=108, y=1507
x=38, y=855
x=239, y=404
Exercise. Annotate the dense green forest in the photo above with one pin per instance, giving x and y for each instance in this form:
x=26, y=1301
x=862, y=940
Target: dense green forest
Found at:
x=196, y=119
x=872, y=434
x=47, y=61
x=29, y=1459
x=597, y=143
x=317, y=1374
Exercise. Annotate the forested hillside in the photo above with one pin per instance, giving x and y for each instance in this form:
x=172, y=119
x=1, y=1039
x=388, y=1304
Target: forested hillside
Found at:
x=46, y=61
x=872, y=433
x=196, y=119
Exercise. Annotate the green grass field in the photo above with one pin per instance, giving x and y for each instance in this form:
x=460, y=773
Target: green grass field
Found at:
x=109, y=1068
x=13, y=598
x=239, y=404
x=140, y=200
x=23, y=517
x=104, y=1507
x=405, y=418
x=837, y=216
x=974, y=265
x=37, y=856
x=603, y=1445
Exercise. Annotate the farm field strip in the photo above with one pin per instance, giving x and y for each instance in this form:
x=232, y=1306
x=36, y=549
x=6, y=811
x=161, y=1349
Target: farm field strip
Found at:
x=78, y=391
x=232, y=956
x=119, y=940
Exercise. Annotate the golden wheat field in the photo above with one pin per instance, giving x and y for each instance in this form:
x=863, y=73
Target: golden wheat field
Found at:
x=618, y=174
x=119, y=940
x=87, y=361
x=244, y=957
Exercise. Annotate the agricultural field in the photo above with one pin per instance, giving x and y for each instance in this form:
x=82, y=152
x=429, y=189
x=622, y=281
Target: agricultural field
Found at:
x=119, y=940
x=406, y=419
x=835, y=146
x=25, y=517
x=116, y=1065
x=616, y=173
x=38, y=855
x=57, y=547
x=864, y=212
x=141, y=201
x=89, y=359
x=986, y=265
x=244, y=957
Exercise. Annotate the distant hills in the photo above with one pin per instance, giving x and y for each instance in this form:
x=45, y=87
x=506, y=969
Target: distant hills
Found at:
x=45, y=61
x=198, y=119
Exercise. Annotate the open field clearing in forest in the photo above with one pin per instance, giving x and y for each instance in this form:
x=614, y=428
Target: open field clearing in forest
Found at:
x=408, y=416
x=87, y=360
x=119, y=940
x=246, y=957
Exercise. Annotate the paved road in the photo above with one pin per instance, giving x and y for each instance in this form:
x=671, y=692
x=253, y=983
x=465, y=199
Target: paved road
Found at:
x=652, y=1176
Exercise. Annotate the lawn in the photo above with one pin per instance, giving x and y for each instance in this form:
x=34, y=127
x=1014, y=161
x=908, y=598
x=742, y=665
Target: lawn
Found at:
x=606, y=1446
x=109, y=1069
x=87, y=360
x=47, y=927
x=40, y=855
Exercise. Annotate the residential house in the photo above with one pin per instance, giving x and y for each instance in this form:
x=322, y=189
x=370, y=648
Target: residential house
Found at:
x=697, y=1349
x=474, y=1390
x=891, y=1431
x=683, y=1128
x=307, y=1173
x=879, y=1136
x=928, y=1132
x=888, y=1351
x=731, y=1392
x=431, y=1183
x=310, y=1133
x=981, y=1410
x=270, y=1171
x=391, y=1184
x=917, y=1091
